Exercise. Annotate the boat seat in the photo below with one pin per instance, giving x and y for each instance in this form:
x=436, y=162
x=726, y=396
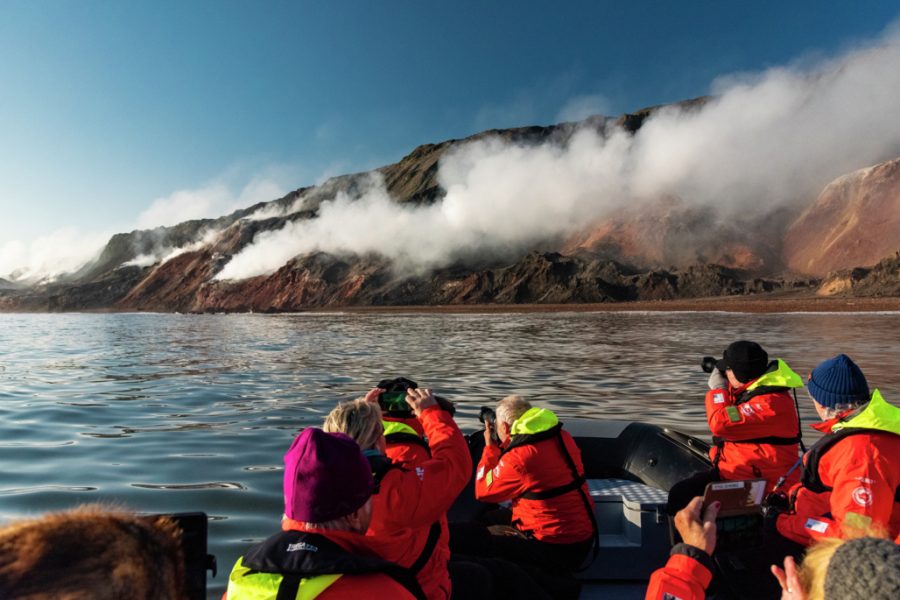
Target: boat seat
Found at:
x=634, y=531
x=628, y=491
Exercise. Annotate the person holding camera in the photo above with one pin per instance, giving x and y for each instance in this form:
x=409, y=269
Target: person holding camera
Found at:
x=851, y=477
x=322, y=551
x=537, y=466
x=754, y=421
x=410, y=504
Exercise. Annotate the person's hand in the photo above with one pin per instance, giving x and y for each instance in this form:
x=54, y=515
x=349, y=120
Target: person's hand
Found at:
x=419, y=399
x=717, y=380
x=373, y=395
x=789, y=580
x=700, y=533
x=489, y=429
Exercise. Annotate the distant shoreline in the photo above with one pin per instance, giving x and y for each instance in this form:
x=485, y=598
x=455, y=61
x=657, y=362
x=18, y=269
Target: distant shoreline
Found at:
x=739, y=304
x=734, y=304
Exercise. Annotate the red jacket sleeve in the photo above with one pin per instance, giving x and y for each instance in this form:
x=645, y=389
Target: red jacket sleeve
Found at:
x=498, y=480
x=420, y=496
x=753, y=419
x=686, y=575
x=861, y=499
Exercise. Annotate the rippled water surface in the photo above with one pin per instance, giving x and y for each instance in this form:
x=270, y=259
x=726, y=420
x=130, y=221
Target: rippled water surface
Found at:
x=194, y=412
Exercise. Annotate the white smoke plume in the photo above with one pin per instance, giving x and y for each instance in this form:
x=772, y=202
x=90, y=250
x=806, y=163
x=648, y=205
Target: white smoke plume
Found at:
x=162, y=255
x=45, y=259
x=765, y=140
x=213, y=199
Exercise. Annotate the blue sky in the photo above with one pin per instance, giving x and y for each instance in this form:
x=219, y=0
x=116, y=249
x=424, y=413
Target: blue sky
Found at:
x=109, y=109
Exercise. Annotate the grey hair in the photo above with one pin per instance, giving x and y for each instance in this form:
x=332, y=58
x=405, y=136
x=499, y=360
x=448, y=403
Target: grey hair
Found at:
x=359, y=419
x=833, y=411
x=511, y=408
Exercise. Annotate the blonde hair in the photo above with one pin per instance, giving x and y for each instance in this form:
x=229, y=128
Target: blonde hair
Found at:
x=818, y=557
x=511, y=408
x=92, y=552
x=815, y=566
x=359, y=419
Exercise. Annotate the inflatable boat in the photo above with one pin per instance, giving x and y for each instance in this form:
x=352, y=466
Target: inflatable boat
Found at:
x=630, y=467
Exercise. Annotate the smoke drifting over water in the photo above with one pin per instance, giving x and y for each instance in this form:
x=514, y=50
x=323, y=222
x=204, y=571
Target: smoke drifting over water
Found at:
x=764, y=141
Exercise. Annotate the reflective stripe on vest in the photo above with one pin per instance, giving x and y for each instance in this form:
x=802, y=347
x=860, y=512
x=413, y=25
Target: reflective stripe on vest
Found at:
x=396, y=427
x=246, y=584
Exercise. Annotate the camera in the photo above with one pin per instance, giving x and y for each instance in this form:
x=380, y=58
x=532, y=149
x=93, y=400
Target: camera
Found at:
x=394, y=403
x=488, y=418
x=708, y=364
x=393, y=399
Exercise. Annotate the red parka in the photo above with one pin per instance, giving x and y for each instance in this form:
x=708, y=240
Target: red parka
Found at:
x=536, y=467
x=413, y=500
x=756, y=428
x=851, y=478
x=686, y=575
x=405, y=441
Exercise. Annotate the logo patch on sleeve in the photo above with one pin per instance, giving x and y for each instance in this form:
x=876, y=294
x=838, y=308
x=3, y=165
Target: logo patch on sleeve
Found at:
x=816, y=525
x=489, y=478
x=862, y=496
x=857, y=521
x=719, y=398
x=733, y=414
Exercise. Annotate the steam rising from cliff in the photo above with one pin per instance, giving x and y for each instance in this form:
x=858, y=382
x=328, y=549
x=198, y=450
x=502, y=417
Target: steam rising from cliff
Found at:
x=765, y=140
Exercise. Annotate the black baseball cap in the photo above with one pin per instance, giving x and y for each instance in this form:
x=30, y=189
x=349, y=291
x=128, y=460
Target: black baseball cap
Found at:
x=747, y=360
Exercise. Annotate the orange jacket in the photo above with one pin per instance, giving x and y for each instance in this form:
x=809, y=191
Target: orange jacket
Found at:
x=857, y=483
x=755, y=427
x=405, y=440
x=535, y=467
x=412, y=501
x=686, y=575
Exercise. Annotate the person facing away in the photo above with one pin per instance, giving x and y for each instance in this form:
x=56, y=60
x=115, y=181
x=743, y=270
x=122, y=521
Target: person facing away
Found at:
x=404, y=437
x=851, y=476
x=538, y=468
x=322, y=551
x=410, y=505
x=753, y=418
x=92, y=552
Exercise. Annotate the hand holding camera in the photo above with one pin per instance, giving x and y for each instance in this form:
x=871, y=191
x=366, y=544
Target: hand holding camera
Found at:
x=717, y=379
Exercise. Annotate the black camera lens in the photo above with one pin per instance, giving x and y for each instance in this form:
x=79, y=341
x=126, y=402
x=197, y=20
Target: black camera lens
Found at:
x=708, y=364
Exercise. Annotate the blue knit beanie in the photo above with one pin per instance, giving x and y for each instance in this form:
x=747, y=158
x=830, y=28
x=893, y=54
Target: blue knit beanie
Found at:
x=838, y=381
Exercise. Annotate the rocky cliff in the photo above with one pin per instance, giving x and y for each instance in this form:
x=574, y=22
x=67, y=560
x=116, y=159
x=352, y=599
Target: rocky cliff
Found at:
x=661, y=250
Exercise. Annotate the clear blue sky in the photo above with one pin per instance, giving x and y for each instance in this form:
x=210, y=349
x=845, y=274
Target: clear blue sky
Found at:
x=108, y=106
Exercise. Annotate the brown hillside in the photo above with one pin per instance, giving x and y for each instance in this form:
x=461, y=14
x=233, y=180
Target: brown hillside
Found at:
x=855, y=221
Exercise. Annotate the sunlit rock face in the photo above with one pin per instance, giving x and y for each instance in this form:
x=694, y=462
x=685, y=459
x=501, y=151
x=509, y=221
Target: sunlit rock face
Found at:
x=854, y=222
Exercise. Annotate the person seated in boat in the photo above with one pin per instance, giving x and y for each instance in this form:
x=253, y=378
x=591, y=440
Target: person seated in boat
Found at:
x=92, y=552
x=537, y=467
x=322, y=551
x=412, y=501
x=851, y=477
x=404, y=436
x=753, y=418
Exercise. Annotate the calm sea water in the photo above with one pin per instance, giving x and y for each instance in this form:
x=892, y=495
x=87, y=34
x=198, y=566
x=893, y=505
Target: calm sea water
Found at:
x=168, y=413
